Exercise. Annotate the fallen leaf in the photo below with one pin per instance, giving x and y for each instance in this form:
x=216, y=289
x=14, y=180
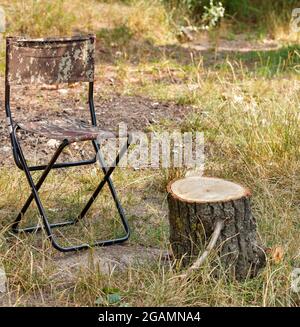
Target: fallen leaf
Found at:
x=277, y=254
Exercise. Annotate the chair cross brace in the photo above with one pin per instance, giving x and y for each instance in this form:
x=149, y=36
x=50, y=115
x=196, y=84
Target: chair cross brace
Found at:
x=35, y=196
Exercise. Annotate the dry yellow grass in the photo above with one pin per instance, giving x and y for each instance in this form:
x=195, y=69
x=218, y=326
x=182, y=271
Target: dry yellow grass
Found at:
x=248, y=109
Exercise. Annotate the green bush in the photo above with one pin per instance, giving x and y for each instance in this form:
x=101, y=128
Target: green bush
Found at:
x=249, y=10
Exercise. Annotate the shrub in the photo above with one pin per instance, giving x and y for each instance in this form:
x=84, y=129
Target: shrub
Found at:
x=248, y=10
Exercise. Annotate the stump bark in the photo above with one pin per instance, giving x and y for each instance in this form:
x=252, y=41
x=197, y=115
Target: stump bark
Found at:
x=196, y=205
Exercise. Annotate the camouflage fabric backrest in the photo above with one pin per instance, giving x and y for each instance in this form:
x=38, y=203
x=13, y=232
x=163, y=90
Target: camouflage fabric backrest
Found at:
x=50, y=61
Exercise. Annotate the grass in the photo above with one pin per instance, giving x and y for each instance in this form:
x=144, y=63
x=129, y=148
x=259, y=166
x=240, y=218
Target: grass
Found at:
x=273, y=62
x=38, y=18
x=247, y=105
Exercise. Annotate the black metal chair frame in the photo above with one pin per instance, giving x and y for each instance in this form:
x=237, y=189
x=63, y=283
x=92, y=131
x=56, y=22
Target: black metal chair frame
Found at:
x=21, y=163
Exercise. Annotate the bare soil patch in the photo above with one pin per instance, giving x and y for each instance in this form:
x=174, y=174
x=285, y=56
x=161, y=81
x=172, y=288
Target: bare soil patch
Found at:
x=37, y=104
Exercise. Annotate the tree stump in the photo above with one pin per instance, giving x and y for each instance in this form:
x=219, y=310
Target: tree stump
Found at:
x=196, y=205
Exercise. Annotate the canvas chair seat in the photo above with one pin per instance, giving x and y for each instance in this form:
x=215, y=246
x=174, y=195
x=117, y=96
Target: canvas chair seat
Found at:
x=70, y=130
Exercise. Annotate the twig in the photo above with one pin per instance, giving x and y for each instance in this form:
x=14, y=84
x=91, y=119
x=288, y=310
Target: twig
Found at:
x=210, y=246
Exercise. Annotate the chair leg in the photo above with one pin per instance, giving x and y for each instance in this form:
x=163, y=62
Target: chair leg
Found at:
x=34, y=190
x=47, y=226
x=38, y=185
x=110, y=183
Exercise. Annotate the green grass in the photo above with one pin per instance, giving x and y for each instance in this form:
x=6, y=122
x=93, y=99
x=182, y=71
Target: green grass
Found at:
x=274, y=62
x=120, y=35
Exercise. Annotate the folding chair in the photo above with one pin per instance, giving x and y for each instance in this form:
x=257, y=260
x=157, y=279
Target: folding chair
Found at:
x=55, y=61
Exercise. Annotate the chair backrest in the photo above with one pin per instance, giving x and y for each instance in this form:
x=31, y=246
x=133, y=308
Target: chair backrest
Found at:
x=50, y=60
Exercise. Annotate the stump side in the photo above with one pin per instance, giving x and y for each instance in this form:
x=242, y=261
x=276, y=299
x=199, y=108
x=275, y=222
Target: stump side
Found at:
x=192, y=223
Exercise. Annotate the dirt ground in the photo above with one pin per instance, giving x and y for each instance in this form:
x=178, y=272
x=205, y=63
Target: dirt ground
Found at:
x=39, y=104
x=138, y=113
